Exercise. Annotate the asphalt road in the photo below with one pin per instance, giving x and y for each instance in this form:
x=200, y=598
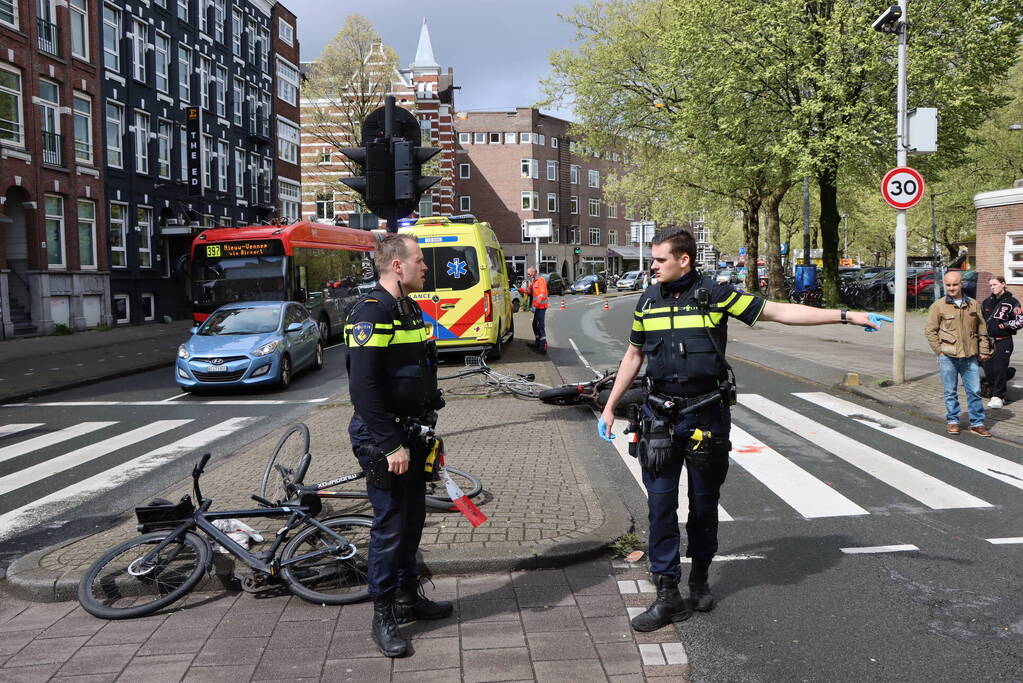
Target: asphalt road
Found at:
x=71, y=462
x=862, y=542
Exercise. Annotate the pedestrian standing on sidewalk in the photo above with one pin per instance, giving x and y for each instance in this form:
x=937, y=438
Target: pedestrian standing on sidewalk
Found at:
x=680, y=330
x=392, y=371
x=536, y=289
x=998, y=309
x=957, y=334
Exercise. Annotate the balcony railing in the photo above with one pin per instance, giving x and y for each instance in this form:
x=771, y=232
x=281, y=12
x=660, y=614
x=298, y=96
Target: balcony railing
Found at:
x=83, y=151
x=11, y=131
x=49, y=37
x=53, y=149
x=259, y=127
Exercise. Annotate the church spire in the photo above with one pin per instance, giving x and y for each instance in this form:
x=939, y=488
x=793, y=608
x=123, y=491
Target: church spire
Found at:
x=424, y=52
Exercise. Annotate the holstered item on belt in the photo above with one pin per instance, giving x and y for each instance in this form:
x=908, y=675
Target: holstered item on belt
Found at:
x=705, y=452
x=655, y=447
x=377, y=472
x=634, y=428
x=434, y=459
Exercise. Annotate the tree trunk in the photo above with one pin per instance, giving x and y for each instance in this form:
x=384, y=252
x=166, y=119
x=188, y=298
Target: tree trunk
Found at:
x=827, y=183
x=751, y=235
x=775, y=272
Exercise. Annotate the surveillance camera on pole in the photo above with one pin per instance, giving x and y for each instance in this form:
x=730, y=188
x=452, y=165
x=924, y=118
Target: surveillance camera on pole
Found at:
x=889, y=21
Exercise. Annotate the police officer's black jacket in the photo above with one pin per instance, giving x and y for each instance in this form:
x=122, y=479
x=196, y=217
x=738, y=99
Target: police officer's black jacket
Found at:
x=672, y=332
x=392, y=369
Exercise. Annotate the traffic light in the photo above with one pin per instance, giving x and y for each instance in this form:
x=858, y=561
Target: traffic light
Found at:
x=577, y=250
x=377, y=186
x=409, y=181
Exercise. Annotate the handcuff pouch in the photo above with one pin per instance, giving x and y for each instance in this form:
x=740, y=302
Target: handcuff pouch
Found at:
x=377, y=470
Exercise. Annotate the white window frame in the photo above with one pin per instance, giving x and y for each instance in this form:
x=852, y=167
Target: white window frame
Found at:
x=219, y=17
x=139, y=38
x=205, y=74
x=127, y=308
x=221, y=80
x=530, y=201
x=594, y=237
x=164, y=147
x=119, y=225
x=111, y=24
x=237, y=26
x=183, y=154
x=162, y=53
x=510, y=138
x=612, y=238
x=552, y=169
x=573, y=174
x=264, y=52
x=59, y=218
x=13, y=11
x=463, y=139
x=90, y=225
x=183, y=10
x=594, y=207
x=200, y=7
x=464, y=171
x=323, y=203
x=593, y=178
x=148, y=312
x=115, y=143
x=555, y=237
x=239, y=172
x=286, y=32
x=612, y=210
x=185, y=69
x=206, y=155
x=288, y=141
x=1013, y=257
x=287, y=81
x=142, y=121
x=530, y=168
x=144, y=225
x=76, y=114
x=223, y=161
x=479, y=138
x=554, y=142
x=290, y=195
x=18, y=130
x=465, y=202
x=573, y=204
x=525, y=138
x=552, y=202
x=237, y=97
x=495, y=138
x=79, y=14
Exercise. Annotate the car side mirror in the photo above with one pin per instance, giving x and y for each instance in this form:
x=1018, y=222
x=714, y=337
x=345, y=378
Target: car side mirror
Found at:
x=294, y=327
x=193, y=330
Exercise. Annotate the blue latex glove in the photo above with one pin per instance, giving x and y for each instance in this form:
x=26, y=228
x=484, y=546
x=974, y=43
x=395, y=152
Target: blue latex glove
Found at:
x=877, y=319
x=604, y=430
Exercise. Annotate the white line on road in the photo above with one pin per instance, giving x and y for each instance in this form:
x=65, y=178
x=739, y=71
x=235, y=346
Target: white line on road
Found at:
x=47, y=468
x=582, y=357
x=175, y=397
x=45, y=440
x=918, y=485
x=73, y=404
x=866, y=550
x=43, y=508
x=1005, y=541
x=7, y=430
x=955, y=450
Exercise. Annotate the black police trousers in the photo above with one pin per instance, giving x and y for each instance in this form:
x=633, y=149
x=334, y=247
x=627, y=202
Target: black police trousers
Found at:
x=704, y=491
x=398, y=517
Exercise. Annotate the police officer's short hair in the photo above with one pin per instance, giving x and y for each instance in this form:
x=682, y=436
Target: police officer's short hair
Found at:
x=392, y=246
x=680, y=241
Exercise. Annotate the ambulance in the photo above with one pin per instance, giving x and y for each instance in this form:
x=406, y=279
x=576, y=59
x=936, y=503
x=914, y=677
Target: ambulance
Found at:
x=466, y=304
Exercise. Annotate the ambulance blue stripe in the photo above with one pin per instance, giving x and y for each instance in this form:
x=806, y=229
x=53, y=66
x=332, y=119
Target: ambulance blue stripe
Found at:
x=439, y=331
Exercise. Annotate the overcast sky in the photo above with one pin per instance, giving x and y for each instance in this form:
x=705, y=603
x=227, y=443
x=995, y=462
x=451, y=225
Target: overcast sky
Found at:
x=499, y=49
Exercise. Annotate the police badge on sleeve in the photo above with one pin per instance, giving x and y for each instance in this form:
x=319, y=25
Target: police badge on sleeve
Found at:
x=361, y=332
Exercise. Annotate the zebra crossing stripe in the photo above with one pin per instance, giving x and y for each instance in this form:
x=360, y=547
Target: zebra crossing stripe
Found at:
x=30, y=515
x=46, y=440
x=806, y=494
x=1001, y=469
x=7, y=430
x=918, y=485
x=30, y=475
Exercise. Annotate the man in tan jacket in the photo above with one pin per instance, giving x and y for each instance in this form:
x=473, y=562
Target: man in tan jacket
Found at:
x=956, y=332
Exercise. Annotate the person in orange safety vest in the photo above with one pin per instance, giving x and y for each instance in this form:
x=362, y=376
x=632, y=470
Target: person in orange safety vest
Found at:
x=536, y=290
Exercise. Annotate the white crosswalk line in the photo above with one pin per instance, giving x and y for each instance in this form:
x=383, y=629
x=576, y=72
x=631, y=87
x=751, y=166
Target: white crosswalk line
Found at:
x=806, y=494
x=46, y=440
x=918, y=485
x=7, y=430
x=30, y=475
x=29, y=515
x=993, y=466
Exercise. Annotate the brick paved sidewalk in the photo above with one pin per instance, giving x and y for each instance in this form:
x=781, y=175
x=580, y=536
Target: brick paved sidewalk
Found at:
x=547, y=625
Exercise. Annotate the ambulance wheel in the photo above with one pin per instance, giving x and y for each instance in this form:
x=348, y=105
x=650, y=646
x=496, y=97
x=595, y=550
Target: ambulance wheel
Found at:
x=495, y=351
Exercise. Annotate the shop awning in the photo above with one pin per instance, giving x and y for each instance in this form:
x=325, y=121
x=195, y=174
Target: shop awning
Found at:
x=624, y=252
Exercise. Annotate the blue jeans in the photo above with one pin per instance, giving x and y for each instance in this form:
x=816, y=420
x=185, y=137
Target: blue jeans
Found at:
x=951, y=369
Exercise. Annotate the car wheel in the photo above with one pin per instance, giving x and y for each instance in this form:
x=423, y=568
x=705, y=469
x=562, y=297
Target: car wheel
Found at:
x=318, y=357
x=284, y=379
x=324, y=325
x=496, y=350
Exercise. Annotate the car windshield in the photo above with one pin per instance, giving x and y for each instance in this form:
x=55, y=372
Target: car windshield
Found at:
x=631, y=275
x=586, y=279
x=240, y=321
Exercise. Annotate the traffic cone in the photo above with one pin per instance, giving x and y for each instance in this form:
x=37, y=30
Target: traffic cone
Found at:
x=606, y=307
x=563, y=306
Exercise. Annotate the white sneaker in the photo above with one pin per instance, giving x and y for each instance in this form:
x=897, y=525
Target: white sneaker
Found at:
x=995, y=402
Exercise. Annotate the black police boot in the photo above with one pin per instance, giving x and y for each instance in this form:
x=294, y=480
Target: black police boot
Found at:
x=699, y=590
x=669, y=607
x=385, y=629
x=411, y=603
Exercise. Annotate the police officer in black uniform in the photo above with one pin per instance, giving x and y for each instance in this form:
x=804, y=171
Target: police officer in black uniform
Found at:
x=680, y=329
x=392, y=373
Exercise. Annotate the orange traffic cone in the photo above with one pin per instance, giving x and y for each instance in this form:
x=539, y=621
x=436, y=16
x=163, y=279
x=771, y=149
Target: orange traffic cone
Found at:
x=606, y=307
x=563, y=306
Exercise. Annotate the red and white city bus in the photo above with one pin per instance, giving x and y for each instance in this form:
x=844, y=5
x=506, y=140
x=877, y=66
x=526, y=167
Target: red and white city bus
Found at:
x=318, y=265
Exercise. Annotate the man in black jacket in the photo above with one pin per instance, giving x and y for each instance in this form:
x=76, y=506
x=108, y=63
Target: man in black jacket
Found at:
x=998, y=309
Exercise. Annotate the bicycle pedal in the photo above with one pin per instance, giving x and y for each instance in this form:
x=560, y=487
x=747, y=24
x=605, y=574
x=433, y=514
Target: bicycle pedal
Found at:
x=254, y=582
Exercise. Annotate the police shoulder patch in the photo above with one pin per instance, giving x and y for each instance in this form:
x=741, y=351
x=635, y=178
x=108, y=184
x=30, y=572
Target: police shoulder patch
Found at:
x=361, y=332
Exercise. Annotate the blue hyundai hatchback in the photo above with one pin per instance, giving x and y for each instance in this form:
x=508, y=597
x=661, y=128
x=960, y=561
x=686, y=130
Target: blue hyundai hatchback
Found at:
x=249, y=343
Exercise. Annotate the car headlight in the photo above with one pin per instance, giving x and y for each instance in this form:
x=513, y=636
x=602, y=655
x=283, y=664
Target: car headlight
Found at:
x=267, y=348
x=183, y=352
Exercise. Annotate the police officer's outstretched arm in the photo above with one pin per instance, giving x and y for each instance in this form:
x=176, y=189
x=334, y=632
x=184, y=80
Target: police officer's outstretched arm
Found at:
x=798, y=314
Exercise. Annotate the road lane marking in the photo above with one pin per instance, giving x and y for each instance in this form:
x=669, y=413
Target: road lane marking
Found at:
x=74, y=404
x=583, y=358
x=45, y=440
x=7, y=430
x=803, y=492
x=1005, y=541
x=866, y=550
x=918, y=485
x=31, y=514
x=957, y=451
x=30, y=475
x=175, y=397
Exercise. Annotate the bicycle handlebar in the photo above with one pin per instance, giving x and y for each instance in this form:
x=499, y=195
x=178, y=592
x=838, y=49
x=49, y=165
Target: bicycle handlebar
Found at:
x=262, y=501
x=196, y=473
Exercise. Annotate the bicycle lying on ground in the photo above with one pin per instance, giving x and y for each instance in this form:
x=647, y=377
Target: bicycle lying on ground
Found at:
x=596, y=393
x=324, y=562
x=523, y=385
x=285, y=472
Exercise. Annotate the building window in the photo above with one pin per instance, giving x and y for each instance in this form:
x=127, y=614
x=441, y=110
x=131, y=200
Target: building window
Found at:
x=185, y=74
x=573, y=174
x=183, y=154
x=122, y=308
x=573, y=205
x=612, y=238
x=426, y=205
x=465, y=203
x=524, y=138
x=463, y=171
x=118, y=235
x=324, y=157
x=83, y=128
x=79, y=28
x=463, y=138
x=530, y=168
x=612, y=210
x=221, y=91
x=239, y=172
x=111, y=38
x=236, y=32
x=290, y=194
x=207, y=159
x=148, y=302
x=9, y=13
x=325, y=205
x=595, y=236
x=54, y=230
x=219, y=14
x=11, y=127
x=552, y=169
x=144, y=223
x=554, y=142
x=555, y=235
x=237, y=97
x=594, y=208
x=252, y=43
x=223, y=159
x=539, y=139
x=287, y=81
x=253, y=177
x=593, y=178
x=205, y=73
x=49, y=120
x=139, y=34
x=509, y=138
x=530, y=201
x=287, y=141
x=552, y=202
x=286, y=31
x=115, y=134
x=163, y=148
x=201, y=6
x=87, y=233
x=479, y=138
x=183, y=10
x=1013, y=259
x=141, y=142
x=495, y=138
x=162, y=60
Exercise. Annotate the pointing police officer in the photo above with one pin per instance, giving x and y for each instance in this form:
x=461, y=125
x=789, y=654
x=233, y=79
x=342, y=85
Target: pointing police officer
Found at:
x=679, y=329
x=393, y=385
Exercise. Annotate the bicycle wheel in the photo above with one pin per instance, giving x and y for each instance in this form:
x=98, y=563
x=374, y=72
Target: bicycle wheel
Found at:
x=437, y=496
x=119, y=586
x=289, y=454
x=329, y=579
x=523, y=388
x=561, y=396
x=635, y=395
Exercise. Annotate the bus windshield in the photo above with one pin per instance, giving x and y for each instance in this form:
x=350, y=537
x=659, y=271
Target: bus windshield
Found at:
x=238, y=278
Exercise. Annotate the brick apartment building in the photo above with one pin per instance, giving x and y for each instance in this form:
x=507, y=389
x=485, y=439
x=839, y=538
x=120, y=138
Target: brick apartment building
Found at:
x=999, y=245
x=522, y=164
x=53, y=258
x=425, y=90
x=287, y=94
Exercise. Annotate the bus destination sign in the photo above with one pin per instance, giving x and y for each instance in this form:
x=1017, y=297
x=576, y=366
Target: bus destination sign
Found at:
x=235, y=249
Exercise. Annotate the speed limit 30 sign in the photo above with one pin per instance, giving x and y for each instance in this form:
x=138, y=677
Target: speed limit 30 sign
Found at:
x=902, y=187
